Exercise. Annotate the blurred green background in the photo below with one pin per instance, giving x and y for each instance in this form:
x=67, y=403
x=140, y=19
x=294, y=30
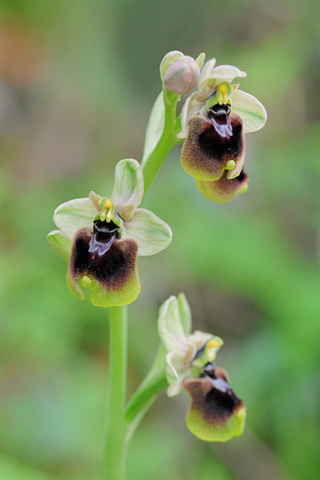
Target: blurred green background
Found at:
x=77, y=82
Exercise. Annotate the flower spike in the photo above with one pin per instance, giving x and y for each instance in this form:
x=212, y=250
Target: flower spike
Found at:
x=101, y=237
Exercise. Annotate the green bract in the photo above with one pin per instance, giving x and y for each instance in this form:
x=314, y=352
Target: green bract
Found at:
x=101, y=238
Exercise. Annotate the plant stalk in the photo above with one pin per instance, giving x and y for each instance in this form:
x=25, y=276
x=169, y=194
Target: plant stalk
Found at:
x=167, y=141
x=115, y=452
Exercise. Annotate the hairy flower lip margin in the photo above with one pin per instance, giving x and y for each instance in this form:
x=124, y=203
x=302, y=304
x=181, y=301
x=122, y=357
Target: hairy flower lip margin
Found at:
x=224, y=189
x=135, y=226
x=216, y=414
x=207, y=153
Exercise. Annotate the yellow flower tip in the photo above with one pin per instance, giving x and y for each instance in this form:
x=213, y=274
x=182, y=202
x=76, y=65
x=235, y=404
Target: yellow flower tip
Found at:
x=230, y=165
x=244, y=189
x=85, y=282
x=213, y=343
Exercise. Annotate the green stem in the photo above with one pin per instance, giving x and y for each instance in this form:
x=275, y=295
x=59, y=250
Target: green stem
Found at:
x=116, y=396
x=167, y=141
x=143, y=398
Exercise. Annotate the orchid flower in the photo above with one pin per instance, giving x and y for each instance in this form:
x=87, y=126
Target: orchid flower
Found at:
x=101, y=237
x=216, y=413
x=214, y=120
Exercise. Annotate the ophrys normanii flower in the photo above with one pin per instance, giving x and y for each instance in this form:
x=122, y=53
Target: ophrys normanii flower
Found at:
x=101, y=237
x=216, y=413
x=187, y=352
x=214, y=120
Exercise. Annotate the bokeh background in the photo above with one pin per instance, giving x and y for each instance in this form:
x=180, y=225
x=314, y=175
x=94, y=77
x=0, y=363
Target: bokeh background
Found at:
x=77, y=82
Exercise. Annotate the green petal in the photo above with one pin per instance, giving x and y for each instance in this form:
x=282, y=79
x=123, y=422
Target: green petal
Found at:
x=155, y=127
x=61, y=243
x=200, y=59
x=128, y=183
x=185, y=313
x=95, y=199
x=252, y=112
x=150, y=232
x=75, y=214
x=170, y=326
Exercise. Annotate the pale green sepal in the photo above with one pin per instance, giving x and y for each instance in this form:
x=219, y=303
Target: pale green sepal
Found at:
x=252, y=111
x=200, y=59
x=170, y=326
x=128, y=183
x=185, y=313
x=219, y=74
x=168, y=60
x=75, y=214
x=61, y=243
x=150, y=232
x=219, y=432
x=155, y=127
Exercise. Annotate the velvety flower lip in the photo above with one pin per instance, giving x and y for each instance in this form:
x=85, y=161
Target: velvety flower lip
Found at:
x=187, y=352
x=216, y=413
x=101, y=237
x=215, y=144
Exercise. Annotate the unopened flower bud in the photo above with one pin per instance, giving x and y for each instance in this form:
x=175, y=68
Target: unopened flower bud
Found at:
x=168, y=60
x=182, y=75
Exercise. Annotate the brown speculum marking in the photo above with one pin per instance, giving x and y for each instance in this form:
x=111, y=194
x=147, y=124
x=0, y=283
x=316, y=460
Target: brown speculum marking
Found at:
x=220, y=401
x=224, y=137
